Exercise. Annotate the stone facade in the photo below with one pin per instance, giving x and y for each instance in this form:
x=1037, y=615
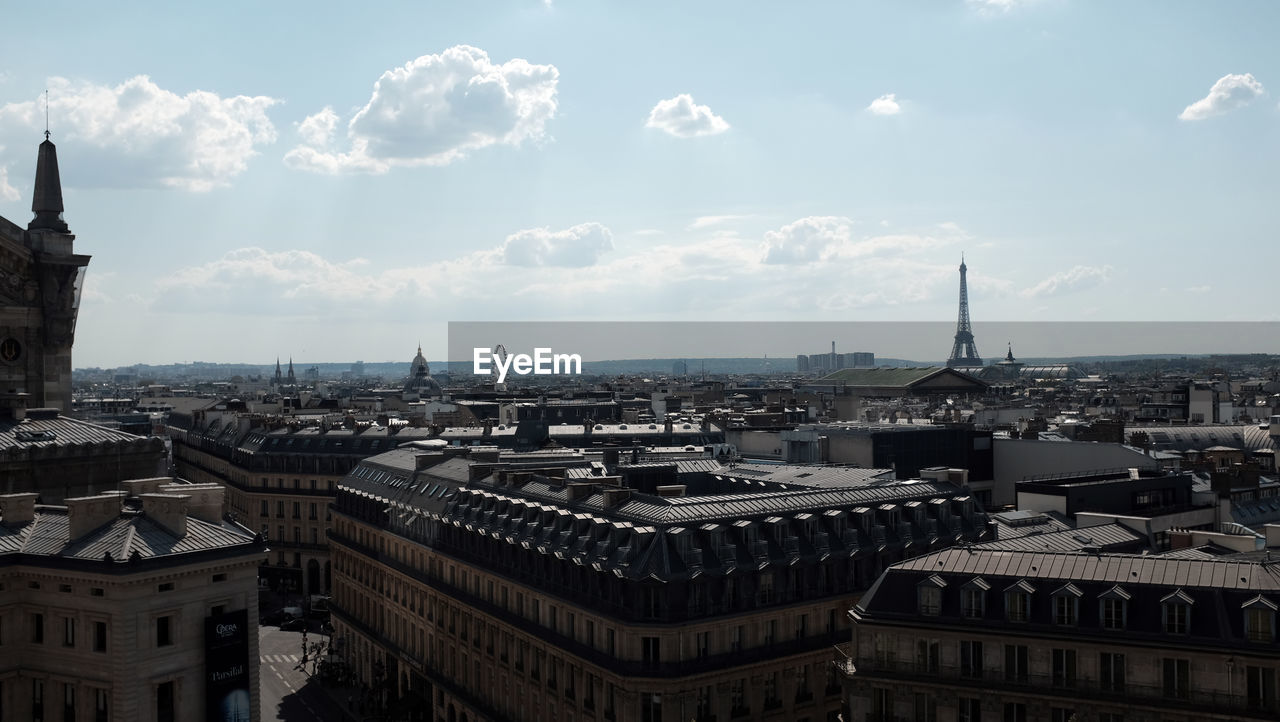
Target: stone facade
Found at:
x=40, y=282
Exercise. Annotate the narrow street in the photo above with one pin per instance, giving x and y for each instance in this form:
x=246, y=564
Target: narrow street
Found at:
x=286, y=692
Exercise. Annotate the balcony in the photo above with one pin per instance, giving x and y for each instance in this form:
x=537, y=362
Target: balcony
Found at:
x=1043, y=685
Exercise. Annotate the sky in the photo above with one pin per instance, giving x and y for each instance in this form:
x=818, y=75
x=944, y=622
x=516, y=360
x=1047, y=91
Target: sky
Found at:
x=332, y=182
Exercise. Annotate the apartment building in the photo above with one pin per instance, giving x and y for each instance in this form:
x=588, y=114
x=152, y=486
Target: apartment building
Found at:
x=964, y=635
x=131, y=605
x=468, y=589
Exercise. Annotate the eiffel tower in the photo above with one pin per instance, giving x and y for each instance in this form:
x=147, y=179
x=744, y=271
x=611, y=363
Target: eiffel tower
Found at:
x=964, y=353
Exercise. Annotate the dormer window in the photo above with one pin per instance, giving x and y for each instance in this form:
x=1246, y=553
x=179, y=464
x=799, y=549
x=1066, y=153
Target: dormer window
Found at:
x=1017, y=601
x=1177, y=612
x=1260, y=620
x=1066, y=605
x=1113, y=608
x=929, y=596
x=973, y=599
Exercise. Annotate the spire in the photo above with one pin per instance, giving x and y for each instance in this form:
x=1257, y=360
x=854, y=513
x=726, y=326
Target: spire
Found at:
x=1009, y=356
x=46, y=199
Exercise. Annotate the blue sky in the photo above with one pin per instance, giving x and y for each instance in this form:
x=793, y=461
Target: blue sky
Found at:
x=309, y=179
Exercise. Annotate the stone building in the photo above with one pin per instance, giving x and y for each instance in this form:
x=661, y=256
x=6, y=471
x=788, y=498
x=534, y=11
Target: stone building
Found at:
x=59, y=457
x=40, y=282
x=469, y=586
x=125, y=605
x=982, y=634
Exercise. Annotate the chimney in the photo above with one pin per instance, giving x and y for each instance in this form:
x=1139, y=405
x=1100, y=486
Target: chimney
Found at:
x=138, y=487
x=610, y=459
x=13, y=405
x=616, y=497
x=206, y=500
x=89, y=513
x=17, y=509
x=578, y=490
x=668, y=427
x=168, y=511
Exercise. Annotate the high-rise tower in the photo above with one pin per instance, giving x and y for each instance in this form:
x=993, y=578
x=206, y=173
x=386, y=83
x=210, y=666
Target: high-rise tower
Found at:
x=963, y=351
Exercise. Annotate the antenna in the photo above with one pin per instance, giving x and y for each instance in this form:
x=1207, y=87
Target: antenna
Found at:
x=46, y=114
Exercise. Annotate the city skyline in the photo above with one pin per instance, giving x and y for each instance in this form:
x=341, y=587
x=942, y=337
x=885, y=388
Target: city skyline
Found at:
x=344, y=189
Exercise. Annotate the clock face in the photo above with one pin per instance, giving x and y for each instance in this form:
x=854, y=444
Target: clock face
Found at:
x=10, y=350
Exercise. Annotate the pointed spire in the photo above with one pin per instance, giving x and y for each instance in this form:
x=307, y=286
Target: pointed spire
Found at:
x=46, y=200
x=1009, y=356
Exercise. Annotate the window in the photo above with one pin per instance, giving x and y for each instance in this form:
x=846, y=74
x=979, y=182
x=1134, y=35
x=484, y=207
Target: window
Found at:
x=1015, y=712
x=927, y=655
x=1260, y=683
x=971, y=659
x=1177, y=677
x=735, y=642
x=881, y=704
x=970, y=709
x=166, y=587
x=313, y=511
x=100, y=712
x=701, y=641
x=973, y=599
x=926, y=706
x=1066, y=605
x=279, y=509
x=770, y=632
x=771, y=698
x=97, y=592
x=164, y=631
x=68, y=701
x=1017, y=602
x=1061, y=714
x=1111, y=671
x=68, y=632
x=1260, y=620
x=737, y=699
x=1015, y=662
x=1114, y=610
x=266, y=511
x=929, y=596
x=219, y=578
x=37, y=700
x=1177, y=612
x=164, y=702
x=651, y=650
x=37, y=628
x=1064, y=667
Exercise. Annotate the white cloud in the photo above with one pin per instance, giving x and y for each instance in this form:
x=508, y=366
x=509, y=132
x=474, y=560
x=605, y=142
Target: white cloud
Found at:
x=581, y=245
x=434, y=110
x=1200, y=289
x=1077, y=278
x=995, y=6
x=681, y=117
x=687, y=275
x=885, y=105
x=7, y=192
x=711, y=221
x=806, y=240
x=1229, y=93
x=139, y=134
x=829, y=238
